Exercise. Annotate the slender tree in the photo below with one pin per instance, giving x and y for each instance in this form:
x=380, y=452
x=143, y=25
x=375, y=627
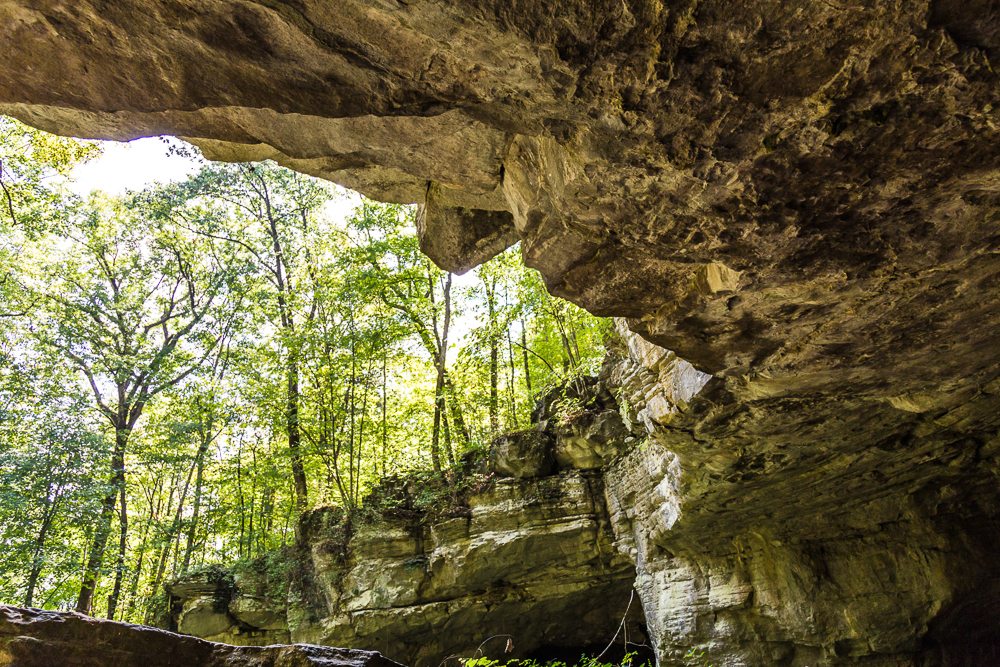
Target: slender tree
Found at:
x=273, y=210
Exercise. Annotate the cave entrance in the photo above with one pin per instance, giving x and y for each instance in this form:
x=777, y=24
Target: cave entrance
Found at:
x=294, y=376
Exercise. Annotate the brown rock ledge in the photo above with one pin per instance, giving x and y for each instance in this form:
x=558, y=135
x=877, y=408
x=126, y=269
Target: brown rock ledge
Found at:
x=35, y=638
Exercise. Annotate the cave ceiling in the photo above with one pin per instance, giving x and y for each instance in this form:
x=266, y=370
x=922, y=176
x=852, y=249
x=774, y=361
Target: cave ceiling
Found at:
x=801, y=198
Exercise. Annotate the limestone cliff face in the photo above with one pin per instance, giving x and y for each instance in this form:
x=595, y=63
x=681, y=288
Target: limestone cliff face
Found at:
x=849, y=557
x=798, y=197
x=530, y=559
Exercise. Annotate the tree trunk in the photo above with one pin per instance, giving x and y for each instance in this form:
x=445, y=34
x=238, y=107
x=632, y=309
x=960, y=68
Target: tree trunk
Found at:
x=95, y=558
x=448, y=449
x=438, y=415
x=524, y=351
x=337, y=444
x=158, y=551
x=385, y=428
x=284, y=282
x=295, y=436
x=196, y=503
x=361, y=428
x=439, y=389
x=239, y=492
x=173, y=531
x=253, y=503
x=264, y=520
x=350, y=415
x=141, y=556
x=494, y=403
x=510, y=384
x=457, y=417
x=116, y=591
x=38, y=550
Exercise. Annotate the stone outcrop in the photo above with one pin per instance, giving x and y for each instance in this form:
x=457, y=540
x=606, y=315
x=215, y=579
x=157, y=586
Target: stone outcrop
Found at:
x=756, y=186
x=798, y=197
x=803, y=551
x=34, y=638
x=526, y=453
x=424, y=572
x=206, y=604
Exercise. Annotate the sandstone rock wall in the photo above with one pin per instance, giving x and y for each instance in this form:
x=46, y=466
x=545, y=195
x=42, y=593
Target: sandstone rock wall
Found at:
x=529, y=559
x=854, y=559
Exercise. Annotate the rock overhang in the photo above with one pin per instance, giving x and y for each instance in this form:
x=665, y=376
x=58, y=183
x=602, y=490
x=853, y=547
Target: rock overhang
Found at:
x=799, y=198
x=812, y=158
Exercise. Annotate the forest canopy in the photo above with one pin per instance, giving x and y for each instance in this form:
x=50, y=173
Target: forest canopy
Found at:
x=187, y=368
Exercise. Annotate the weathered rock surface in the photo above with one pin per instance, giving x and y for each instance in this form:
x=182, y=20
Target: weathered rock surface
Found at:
x=34, y=638
x=205, y=604
x=526, y=453
x=530, y=559
x=586, y=426
x=776, y=183
x=800, y=198
x=849, y=556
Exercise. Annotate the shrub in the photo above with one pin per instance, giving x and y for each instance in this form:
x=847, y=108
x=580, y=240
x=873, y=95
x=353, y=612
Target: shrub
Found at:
x=584, y=661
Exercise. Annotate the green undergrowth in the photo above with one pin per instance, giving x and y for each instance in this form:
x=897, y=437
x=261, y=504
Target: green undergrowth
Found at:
x=424, y=496
x=629, y=660
x=266, y=576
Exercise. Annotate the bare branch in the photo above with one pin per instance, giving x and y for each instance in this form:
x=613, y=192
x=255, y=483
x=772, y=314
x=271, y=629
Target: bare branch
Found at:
x=102, y=406
x=10, y=200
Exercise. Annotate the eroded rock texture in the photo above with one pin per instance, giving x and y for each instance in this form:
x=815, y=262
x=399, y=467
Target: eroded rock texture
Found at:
x=799, y=197
x=529, y=559
x=34, y=638
x=798, y=545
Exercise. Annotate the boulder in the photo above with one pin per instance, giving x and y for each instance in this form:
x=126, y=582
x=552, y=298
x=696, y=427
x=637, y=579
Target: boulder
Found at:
x=34, y=638
x=521, y=454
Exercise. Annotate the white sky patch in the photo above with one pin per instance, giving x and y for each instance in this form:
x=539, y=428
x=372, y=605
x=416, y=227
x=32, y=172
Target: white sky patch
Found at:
x=132, y=165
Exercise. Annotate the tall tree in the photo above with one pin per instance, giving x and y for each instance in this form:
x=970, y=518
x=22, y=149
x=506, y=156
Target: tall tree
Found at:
x=135, y=307
x=421, y=295
x=272, y=211
x=48, y=450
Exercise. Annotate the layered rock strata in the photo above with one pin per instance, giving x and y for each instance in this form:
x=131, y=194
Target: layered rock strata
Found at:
x=849, y=556
x=34, y=638
x=245, y=609
x=528, y=559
